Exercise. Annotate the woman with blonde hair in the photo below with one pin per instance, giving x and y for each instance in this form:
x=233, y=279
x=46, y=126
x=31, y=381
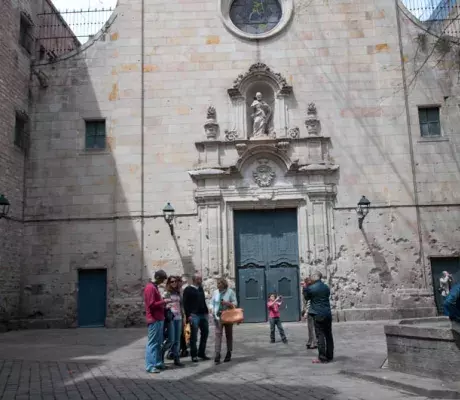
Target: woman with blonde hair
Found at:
x=223, y=299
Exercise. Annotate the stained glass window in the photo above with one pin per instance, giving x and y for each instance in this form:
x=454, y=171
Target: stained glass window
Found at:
x=255, y=16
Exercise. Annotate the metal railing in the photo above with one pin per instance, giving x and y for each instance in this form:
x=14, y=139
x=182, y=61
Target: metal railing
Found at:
x=65, y=31
x=441, y=17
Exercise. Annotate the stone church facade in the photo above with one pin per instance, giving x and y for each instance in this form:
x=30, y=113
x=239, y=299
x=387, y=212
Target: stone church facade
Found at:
x=263, y=135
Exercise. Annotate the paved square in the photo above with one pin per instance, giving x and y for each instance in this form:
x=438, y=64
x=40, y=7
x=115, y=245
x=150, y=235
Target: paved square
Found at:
x=108, y=364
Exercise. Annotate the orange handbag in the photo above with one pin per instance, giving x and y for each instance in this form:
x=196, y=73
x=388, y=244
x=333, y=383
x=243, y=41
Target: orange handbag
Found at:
x=232, y=316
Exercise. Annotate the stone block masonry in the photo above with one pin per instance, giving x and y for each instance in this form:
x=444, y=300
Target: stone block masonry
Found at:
x=102, y=209
x=424, y=347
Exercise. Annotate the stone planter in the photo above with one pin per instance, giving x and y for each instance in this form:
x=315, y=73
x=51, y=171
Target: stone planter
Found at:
x=427, y=347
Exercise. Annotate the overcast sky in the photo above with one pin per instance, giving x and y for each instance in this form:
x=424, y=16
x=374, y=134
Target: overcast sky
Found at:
x=84, y=24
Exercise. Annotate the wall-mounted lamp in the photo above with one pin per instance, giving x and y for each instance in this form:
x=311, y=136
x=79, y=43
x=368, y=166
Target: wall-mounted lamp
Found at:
x=4, y=206
x=362, y=210
x=168, y=214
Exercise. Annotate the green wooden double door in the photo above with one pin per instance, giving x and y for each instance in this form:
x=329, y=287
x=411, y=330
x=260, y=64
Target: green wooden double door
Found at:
x=267, y=261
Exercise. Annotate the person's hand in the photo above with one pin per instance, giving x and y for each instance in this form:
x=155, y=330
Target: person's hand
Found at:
x=167, y=301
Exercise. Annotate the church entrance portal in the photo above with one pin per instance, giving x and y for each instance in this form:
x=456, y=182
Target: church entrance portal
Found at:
x=267, y=261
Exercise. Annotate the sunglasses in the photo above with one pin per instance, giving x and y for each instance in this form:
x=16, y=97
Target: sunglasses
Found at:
x=173, y=282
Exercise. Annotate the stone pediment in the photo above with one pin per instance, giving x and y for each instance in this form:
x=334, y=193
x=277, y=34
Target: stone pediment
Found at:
x=259, y=71
x=299, y=156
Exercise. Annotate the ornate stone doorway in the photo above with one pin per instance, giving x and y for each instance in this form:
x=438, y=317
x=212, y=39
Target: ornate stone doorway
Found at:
x=277, y=169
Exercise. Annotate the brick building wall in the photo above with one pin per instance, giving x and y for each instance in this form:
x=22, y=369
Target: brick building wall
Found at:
x=16, y=57
x=102, y=209
x=14, y=97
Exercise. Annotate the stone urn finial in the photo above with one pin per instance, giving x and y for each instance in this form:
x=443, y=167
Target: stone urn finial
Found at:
x=211, y=114
x=211, y=127
x=312, y=122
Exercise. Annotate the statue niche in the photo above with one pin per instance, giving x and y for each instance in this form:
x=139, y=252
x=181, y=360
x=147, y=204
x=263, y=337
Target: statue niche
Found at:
x=261, y=116
x=258, y=100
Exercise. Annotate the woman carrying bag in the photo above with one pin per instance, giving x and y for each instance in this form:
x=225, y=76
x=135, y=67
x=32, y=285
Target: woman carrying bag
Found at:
x=223, y=299
x=173, y=319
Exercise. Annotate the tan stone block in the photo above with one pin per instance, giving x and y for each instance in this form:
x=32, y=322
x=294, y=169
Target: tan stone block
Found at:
x=356, y=34
x=114, y=94
x=212, y=39
x=183, y=110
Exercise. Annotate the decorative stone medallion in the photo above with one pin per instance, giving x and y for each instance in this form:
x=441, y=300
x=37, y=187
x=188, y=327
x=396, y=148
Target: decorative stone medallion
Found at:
x=294, y=133
x=231, y=135
x=264, y=174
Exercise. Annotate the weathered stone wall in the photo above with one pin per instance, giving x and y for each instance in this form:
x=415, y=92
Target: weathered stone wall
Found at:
x=432, y=79
x=345, y=57
x=14, y=84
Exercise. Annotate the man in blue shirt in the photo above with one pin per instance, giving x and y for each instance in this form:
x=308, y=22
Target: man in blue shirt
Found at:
x=452, y=304
x=320, y=309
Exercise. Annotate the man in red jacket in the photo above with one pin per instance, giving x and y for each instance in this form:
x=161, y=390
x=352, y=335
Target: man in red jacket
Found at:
x=155, y=315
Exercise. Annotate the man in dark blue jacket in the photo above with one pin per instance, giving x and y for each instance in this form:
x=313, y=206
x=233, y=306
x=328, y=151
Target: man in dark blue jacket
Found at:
x=452, y=304
x=320, y=309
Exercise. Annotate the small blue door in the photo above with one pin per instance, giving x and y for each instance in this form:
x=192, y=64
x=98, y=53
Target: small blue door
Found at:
x=267, y=260
x=438, y=265
x=92, y=297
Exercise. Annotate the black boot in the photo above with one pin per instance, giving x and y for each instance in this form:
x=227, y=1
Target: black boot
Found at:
x=228, y=356
x=177, y=362
x=217, y=358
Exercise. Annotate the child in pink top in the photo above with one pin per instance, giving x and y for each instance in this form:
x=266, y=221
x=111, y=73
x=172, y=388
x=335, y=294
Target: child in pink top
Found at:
x=273, y=305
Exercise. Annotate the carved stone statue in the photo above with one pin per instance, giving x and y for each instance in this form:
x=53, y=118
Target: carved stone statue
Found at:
x=261, y=117
x=445, y=283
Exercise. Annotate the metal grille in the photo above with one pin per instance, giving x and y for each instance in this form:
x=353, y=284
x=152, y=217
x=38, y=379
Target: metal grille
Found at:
x=65, y=31
x=440, y=17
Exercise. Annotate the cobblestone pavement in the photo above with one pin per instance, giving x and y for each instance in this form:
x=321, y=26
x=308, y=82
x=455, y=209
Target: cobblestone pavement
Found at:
x=108, y=364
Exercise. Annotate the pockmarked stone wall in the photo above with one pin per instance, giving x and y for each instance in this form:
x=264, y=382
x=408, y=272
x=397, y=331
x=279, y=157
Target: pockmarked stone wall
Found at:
x=431, y=78
x=103, y=209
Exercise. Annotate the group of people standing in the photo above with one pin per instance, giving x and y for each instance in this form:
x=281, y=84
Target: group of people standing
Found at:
x=167, y=315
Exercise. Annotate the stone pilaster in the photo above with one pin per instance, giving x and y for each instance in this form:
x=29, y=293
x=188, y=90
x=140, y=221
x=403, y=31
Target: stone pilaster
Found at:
x=211, y=237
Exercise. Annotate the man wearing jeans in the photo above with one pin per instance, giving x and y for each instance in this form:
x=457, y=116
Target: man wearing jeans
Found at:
x=320, y=309
x=155, y=315
x=196, y=312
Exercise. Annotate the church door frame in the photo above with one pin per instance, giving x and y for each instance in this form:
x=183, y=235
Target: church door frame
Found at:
x=298, y=204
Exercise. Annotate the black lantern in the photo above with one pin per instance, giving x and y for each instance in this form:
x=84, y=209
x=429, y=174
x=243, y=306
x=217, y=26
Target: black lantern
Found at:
x=362, y=210
x=4, y=206
x=168, y=214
